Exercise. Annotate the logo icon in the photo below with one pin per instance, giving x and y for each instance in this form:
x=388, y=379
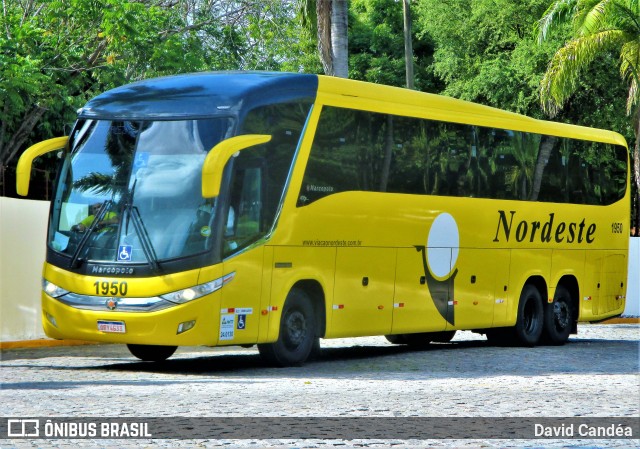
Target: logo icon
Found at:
x=112, y=303
x=439, y=259
x=242, y=321
x=23, y=428
x=124, y=253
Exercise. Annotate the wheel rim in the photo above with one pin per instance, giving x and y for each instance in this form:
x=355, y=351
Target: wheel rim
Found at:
x=561, y=315
x=295, y=329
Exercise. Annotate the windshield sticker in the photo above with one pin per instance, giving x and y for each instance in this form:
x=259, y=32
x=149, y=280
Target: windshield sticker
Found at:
x=141, y=161
x=227, y=326
x=60, y=241
x=124, y=253
x=205, y=231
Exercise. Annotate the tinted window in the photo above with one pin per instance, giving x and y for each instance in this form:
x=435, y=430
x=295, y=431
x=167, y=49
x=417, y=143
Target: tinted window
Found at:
x=364, y=151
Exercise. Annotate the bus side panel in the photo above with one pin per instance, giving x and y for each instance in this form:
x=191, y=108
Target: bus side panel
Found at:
x=292, y=264
x=605, y=285
x=590, y=293
x=240, y=309
x=613, y=288
x=474, y=295
x=567, y=263
x=526, y=264
x=414, y=308
x=363, y=291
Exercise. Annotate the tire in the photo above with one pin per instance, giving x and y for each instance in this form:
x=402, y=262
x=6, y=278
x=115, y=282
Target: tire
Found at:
x=421, y=339
x=442, y=337
x=500, y=336
x=558, y=318
x=530, y=322
x=297, y=337
x=396, y=339
x=152, y=353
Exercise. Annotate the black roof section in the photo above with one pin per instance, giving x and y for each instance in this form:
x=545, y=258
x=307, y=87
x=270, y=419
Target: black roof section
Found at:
x=199, y=95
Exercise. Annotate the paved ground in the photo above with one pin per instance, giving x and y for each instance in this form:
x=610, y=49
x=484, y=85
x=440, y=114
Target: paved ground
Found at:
x=595, y=375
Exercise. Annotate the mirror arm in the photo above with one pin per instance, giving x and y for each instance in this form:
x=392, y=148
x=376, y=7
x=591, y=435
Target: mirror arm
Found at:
x=218, y=157
x=23, y=169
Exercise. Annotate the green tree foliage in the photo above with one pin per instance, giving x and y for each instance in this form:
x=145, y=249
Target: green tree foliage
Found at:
x=376, y=46
x=485, y=50
x=599, y=29
x=55, y=54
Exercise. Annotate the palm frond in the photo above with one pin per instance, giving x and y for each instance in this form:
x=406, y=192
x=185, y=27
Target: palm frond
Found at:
x=559, y=12
x=97, y=182
x=593, y=19
x=563, y=72
x=630, y=70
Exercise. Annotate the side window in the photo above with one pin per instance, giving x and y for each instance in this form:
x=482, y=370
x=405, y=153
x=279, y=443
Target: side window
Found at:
x=260, y=173
x=245, y=221
x=366, y=151
x=345, y=156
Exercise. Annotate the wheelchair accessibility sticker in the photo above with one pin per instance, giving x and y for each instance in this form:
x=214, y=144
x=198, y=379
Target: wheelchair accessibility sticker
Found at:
x=242, y=322
x=124, y=253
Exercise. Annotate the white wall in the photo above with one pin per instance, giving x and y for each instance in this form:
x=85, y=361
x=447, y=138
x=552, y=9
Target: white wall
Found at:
x=633, y=283
x=23, y=227
x=23, y=230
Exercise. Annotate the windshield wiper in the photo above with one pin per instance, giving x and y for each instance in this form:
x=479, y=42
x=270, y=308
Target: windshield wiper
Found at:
x=133, y=214
x=143, y=235
x=85, y=237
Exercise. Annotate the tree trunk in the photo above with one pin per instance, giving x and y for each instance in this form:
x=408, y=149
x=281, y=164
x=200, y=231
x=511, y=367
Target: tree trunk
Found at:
x=339, y=37
x=408, y=46
x=388, y=152
x=323, y=12
x=14, y=145
x=546, y=145
x=636, y=175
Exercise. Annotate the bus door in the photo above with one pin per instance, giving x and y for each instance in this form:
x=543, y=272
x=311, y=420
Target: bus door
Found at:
x=242, y=296
x=363, y=292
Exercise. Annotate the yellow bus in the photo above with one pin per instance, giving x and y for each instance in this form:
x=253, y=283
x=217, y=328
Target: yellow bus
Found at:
x=277, y=209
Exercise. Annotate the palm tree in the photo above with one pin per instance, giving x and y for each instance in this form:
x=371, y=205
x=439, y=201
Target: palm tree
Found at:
x=599, y=26
x=329, y=19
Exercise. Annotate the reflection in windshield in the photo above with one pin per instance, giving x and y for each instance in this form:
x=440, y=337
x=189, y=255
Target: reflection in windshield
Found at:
x=152, y=168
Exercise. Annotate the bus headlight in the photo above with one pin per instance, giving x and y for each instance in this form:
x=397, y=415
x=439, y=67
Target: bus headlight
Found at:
x=52, y=289
x=198, y=291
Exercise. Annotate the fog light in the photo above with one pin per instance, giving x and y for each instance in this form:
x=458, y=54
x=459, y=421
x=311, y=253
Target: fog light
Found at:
x=183, y=327
x=51, y=319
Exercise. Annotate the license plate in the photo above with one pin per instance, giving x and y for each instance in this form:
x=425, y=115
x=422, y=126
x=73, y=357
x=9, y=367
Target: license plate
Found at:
x=112, y=326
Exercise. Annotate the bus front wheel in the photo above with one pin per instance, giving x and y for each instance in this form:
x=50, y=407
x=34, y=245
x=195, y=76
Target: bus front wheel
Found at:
x=152, y=353
x=297, y=338
x=558, y=318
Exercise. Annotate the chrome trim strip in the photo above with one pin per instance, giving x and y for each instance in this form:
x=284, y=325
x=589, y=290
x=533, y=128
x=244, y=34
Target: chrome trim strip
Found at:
x=86, y=302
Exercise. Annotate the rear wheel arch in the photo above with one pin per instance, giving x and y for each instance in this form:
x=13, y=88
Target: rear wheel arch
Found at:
x=539, y=283
x=570, y=282
x=315, y=292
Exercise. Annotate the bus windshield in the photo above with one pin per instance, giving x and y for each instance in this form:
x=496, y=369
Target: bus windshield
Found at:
x=130, y=191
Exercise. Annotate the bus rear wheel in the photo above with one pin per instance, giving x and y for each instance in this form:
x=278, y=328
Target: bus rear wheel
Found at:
x=558, y=318
x=152, y=353
x=297, y=338
x=529, y=324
